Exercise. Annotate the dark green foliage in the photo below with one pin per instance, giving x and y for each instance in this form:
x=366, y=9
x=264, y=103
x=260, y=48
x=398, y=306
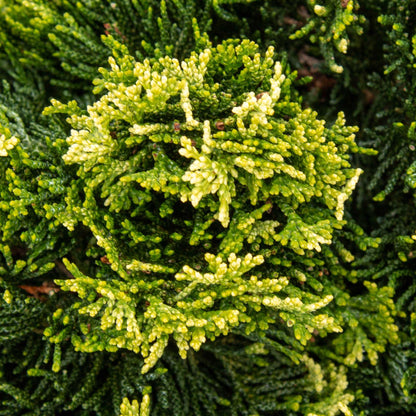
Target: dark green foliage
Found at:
x=391, y=186
x=178, y=232
x=62, y=39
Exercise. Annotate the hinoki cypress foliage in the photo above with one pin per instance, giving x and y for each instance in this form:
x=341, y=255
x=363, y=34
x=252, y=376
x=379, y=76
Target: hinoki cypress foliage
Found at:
x=188, y=148
x=328, y=26
x=63, y=38
x=392, y=188
x=179, y=234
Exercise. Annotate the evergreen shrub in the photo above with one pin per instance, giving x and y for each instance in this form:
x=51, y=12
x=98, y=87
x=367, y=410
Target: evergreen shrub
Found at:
x=179, y=229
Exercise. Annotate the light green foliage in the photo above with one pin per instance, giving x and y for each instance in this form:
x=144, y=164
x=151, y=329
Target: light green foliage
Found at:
x=176, y=234
x=134, y=409
x=217, y=138
x=368, y=325
x=335, y=383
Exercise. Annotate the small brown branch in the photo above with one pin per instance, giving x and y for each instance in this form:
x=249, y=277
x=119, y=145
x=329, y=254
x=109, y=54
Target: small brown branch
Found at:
x=61, y=267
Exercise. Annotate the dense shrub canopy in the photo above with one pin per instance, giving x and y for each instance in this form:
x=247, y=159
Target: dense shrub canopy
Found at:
x=207, y=208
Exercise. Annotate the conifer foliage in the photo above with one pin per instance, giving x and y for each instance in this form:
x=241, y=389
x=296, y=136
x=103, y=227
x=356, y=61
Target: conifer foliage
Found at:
x=179, y=234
